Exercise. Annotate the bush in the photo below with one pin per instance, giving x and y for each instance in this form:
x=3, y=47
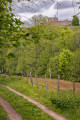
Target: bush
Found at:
x=66, y=101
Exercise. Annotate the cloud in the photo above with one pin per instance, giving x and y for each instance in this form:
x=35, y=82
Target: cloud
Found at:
x=26, y=10
x=34, y=6
x=66, y=14
x=66, y=9
x=65, y=4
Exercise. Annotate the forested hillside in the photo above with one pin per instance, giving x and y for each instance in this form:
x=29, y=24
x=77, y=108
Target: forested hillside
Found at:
x=45, y=48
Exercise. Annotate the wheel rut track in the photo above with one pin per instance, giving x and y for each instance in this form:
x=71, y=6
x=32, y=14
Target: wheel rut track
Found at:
x=11, y=112
x=39, y=105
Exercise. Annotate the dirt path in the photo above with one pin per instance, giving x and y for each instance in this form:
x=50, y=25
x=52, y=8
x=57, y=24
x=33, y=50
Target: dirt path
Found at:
x=39, y=105
x=12, y=114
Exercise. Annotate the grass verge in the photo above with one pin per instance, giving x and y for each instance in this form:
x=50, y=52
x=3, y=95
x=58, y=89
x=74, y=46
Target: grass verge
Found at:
x=3, y=114
x=65, y=103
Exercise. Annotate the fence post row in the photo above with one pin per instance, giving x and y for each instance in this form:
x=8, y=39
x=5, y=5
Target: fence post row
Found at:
x=37, y=84
x=45, y=82
x=31, y=78
x=36, y=81
x=58, y=82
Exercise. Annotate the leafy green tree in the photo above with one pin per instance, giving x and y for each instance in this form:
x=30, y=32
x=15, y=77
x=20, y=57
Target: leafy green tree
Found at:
x=65, y=63
x=65, y=38
x=75, y=21
x=43, y=61
x=10, y=30
x=75, y=43
x=38, y=20
x=28, y=57
x=9, y=26
x=75, y=66
x=53, y=65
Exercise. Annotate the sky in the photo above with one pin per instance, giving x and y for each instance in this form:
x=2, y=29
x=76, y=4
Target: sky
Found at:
x=63, y=9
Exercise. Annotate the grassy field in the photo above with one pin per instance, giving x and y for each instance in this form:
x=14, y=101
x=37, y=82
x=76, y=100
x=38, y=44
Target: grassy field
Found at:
x=25, y=108
x=65, y=103
x=3, y=114
x=64, y=85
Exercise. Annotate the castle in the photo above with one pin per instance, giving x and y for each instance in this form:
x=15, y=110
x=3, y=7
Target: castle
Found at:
x=56, y=22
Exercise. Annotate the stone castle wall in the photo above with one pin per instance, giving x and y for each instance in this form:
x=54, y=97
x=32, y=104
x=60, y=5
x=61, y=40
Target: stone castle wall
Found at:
x=61, y=23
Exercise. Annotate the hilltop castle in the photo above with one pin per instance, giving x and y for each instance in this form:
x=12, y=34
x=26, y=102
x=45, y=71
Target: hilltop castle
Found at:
x=55, y=21
x=61, y=23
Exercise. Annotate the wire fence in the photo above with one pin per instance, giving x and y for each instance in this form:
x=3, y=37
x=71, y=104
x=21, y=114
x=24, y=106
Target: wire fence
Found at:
x=48, y=83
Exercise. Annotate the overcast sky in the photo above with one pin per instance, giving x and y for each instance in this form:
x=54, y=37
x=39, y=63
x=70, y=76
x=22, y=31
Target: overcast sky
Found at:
x=63, y=9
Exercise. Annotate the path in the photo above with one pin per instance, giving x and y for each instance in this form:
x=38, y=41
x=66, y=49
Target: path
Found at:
x=39, y=105
x=12, y=114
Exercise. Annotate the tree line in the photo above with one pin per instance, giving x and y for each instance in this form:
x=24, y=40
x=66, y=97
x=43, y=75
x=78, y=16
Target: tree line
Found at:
x=40, y=49
x=44, y=49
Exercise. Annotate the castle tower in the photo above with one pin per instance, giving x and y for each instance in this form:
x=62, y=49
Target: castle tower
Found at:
x=53, y=19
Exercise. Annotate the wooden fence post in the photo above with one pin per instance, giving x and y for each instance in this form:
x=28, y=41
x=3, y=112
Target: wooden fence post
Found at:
x=45, y=82
x=36, y=81
x=16, y=74
x=50, y=73
x=5, y=73
x=27, y=77
x=22, y=74
x=58, y=82
x=9, y=73
x=73, y=87
x=31, y=78
x=2, y=71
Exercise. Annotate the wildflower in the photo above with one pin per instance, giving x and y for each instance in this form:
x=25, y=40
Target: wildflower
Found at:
x=36, y=109
x=36, y=94
x=49, y=102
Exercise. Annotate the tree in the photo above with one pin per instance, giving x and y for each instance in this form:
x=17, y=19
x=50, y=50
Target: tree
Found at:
x=43, y=61
x=75, y=65
x=65, y=63
x=53, y=65
x=9, y=26
x=75, y=21
x=38, y=19
x=10, y=31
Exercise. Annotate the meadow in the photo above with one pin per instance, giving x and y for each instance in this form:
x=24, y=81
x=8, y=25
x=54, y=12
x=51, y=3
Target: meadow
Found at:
x=65, y=103
x=28, y=110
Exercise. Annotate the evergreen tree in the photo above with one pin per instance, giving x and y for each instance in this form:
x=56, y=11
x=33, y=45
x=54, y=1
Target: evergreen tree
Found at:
x=75, y=21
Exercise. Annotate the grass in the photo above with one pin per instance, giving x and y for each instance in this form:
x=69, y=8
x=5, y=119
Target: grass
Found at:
x=3, y=114
x=67, y=104
x=28, y=110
